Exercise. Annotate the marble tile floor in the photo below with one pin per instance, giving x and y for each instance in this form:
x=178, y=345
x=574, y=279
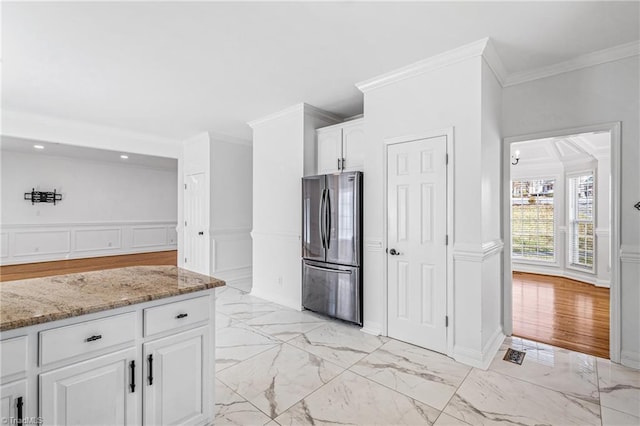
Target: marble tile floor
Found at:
x=278, y=366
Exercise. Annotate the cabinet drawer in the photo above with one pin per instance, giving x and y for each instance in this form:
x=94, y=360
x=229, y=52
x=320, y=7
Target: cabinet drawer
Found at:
x=175, y=315
x=79, y=339
x=13, y=356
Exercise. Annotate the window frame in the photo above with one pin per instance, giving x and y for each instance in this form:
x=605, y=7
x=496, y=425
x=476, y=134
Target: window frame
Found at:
x=522, y=260
x=570, y=208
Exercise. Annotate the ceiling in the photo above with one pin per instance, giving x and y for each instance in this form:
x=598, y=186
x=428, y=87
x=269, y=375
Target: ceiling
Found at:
x=174, y=69
x=83, y=153
x=562, y=151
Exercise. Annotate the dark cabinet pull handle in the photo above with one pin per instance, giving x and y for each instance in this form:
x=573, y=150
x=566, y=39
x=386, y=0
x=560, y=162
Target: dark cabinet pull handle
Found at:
x=93, y=338
x=132, y=384
x=182, y=316
x=19, y=404
x=201, y=233
x=150, y=376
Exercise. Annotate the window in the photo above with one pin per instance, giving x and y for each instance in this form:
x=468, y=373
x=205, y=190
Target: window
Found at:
x=581, y=221
x=532, y=220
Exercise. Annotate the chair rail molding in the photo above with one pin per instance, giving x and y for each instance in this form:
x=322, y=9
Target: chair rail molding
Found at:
x=471, y=252
x=629, y=253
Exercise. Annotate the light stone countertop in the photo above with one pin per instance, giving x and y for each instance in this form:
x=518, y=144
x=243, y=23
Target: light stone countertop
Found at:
x=39, y=300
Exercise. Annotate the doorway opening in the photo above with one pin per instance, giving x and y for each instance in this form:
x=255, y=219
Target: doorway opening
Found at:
x=560, y=273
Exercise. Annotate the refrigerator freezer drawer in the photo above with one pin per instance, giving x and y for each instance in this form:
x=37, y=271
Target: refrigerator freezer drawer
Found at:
x=332, y=290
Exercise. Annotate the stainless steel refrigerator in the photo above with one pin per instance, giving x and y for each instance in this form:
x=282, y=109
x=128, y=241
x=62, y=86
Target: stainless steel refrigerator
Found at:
x=332, y=245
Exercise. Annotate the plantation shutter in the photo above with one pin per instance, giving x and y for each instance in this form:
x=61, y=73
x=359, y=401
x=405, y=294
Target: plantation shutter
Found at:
x=532, y=220
x=581, y=221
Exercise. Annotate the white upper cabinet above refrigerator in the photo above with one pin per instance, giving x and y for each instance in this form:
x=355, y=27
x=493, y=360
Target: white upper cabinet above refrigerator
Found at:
x=341, y=147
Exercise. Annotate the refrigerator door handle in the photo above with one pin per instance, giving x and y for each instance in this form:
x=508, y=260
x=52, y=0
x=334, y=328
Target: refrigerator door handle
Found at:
x=327, y=213
x=337, y=271
x=321, y=215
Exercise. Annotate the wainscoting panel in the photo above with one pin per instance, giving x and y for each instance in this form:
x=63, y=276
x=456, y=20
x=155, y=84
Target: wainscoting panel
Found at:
x=45, y=242
x=149, y=236
x=172, y=235
x=41, y=243
x=4, y=244
x=97, y=239
x=231, y=251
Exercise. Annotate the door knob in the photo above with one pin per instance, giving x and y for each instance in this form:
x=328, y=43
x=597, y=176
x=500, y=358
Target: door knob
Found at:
x=393, y=252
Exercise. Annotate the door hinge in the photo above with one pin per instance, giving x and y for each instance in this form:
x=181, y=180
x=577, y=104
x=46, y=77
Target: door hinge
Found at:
x=185, y=260
x=446, y=159
x=446, y=321
x=185, y=223
x=446, y=240
x=185, y=186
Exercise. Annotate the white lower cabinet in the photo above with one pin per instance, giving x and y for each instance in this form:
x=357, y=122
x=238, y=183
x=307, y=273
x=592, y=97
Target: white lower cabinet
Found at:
x=176, y=373
x=93, y=392
x=13, y=406
x=107, y=369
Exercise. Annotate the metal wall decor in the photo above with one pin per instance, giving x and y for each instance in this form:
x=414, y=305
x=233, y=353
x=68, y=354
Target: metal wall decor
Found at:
x=42, y=196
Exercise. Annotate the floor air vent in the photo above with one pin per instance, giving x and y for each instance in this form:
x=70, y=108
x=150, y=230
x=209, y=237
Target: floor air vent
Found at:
x=514, y=356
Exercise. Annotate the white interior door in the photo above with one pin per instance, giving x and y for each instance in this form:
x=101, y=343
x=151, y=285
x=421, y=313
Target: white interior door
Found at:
x=417, y=232
x=196, y=224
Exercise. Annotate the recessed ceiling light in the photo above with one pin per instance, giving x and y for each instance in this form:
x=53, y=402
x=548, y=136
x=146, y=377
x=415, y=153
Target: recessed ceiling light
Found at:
x=38, y=146
x=124, y=157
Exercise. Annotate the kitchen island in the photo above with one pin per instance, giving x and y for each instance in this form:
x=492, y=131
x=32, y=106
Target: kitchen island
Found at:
x=121, y=346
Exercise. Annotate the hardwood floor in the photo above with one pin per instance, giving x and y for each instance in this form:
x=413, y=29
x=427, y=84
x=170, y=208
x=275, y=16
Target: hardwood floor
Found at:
x=60, y=267
x=561, y=312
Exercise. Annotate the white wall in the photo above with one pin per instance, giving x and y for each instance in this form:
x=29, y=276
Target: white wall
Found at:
x=103, y=209
x=491, y=146
x=603, y=93
x=283, y=152
x=465, y=96
x=231, y=210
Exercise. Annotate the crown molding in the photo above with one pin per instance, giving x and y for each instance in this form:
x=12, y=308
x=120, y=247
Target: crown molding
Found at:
x=301, y=108
x=450, y=57
x=491, y=57
x=588, y=60
x=282, y=113
x=330, y=117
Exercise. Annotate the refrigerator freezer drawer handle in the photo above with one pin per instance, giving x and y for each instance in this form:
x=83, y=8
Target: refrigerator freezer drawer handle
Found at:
x=337, y=271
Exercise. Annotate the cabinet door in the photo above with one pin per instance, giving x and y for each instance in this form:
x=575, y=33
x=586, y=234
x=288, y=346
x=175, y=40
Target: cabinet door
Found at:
x=13, y=406
x=329, y=150
x=93, y=392
x=177, y=379
x=353, y=146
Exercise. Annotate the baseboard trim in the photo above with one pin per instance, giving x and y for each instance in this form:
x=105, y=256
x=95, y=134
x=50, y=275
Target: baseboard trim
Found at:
x=493, y=345
x=277, y=300
x=574, y=275
x=480, y=359
x=235, y=275
x=630, y=359
x=372, y=328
